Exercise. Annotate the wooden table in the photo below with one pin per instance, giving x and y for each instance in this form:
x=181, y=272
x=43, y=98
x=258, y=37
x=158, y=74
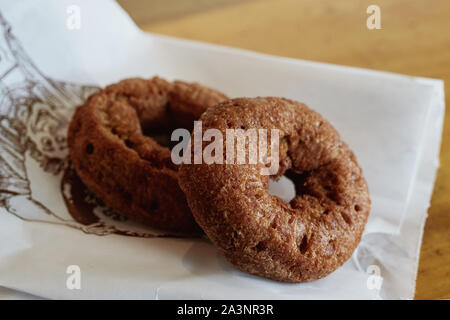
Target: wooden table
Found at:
x=414, y=40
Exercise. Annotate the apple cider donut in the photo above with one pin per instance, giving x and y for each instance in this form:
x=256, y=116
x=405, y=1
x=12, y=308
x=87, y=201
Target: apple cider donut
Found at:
x=303, y=240
x=129, y=171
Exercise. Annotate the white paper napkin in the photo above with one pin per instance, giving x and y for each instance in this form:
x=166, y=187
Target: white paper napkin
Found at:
x=48, y=66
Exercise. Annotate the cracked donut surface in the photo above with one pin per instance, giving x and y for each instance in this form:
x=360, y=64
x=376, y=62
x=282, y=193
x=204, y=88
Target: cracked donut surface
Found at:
x=303, y=240
x=129, y=171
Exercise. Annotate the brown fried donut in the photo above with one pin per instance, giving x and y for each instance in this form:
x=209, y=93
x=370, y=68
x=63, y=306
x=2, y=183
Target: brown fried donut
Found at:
x=130, y=172
x=259, y=233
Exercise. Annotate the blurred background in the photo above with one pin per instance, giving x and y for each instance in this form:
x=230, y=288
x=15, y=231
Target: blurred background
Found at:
x=414, y=39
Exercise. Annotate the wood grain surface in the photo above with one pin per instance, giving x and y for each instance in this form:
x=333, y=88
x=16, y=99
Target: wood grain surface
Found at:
x=414, y=40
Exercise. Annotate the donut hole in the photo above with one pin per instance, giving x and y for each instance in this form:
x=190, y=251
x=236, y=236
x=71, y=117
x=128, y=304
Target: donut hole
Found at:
x=161, y=138
x=160, y=123
x=162, y=133
x=290, y=185
x=299, y=181
x=357, y=208
x=283, y=188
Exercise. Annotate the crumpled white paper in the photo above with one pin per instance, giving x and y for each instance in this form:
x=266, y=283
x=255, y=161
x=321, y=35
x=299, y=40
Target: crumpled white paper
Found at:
x=392, y=122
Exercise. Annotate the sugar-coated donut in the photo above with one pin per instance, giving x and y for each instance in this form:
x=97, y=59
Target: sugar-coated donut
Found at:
x=130, y=172
x=303, y=240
